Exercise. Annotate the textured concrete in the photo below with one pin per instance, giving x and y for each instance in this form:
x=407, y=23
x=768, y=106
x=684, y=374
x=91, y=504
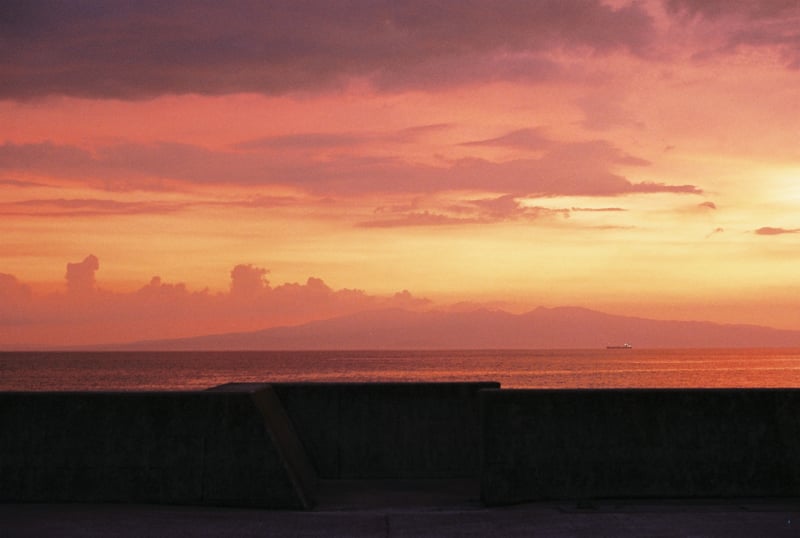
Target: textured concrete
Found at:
x=583, y=444
x=258, y=445
x=386, y=430
x=233, y=448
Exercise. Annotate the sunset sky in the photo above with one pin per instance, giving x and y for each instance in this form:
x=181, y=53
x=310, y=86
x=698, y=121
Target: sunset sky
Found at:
x=178, y=168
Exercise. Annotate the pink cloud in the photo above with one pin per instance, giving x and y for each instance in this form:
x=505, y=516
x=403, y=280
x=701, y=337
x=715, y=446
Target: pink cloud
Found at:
x=88, y=314
x=508, y=207
x=768, y=230
x=80, y=275
x=421, y=218
x=15, y=301
x=648, y=187
x=478, y=211
x=598, y=209
x=21, y=184
x=530, y=139
x=13, y=290
x=566, y=168
x=47, y=157
x=305, y=141
x=157, y=290
x=316, y=141
x=72, y=207
x=248, y=282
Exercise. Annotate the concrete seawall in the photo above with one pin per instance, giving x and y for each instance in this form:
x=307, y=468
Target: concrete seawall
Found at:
x=262, y=445
x=589, y=444
x=386, y=430
x=234, y=448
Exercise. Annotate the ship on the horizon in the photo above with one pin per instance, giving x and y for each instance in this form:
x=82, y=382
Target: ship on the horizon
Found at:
x=623, y=346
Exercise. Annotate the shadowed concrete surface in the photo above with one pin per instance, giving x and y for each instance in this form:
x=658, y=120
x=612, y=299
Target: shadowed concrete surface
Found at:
x=388, y=430
x=721, y=519
x=235, y=448
x=385, y=430
x=589, y=444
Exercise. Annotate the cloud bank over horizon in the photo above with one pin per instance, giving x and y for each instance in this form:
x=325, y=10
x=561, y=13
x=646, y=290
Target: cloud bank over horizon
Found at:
x=85, y=313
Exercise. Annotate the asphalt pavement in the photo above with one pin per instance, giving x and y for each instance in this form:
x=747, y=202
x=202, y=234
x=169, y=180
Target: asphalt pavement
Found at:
x=411, y=509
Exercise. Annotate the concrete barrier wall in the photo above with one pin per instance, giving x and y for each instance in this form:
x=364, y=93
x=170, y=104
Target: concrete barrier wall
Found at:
x=259, y=445
x=386, y=430
x=232, y=448
x=579, y=444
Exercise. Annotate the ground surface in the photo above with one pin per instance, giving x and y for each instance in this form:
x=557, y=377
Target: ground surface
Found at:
x=413, y=508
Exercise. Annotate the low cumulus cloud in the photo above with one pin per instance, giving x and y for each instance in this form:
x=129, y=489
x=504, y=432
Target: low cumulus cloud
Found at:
x=86, y=313
x=80, y=275
x=248, y=281
x=138, y=50
x=15, y=298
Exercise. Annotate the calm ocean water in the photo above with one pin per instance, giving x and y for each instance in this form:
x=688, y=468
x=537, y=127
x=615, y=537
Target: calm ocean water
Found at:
x=513, y=369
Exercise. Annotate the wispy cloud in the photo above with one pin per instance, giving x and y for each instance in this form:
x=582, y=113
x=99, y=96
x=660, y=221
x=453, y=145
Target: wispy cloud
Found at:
x=422, y=218
x=22, y=184
x=316, y=141
x=769, y=230
x=504, y=208
x=64, y=207
x=305, y=141
x=528, y=139
x=567, y=168
x=598, y=209
x=100, y=207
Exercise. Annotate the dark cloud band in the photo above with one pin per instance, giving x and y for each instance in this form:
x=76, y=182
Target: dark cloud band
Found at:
x=134, y=50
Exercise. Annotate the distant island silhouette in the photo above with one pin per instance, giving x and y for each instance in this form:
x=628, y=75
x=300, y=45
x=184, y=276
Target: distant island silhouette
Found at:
x=542, y=328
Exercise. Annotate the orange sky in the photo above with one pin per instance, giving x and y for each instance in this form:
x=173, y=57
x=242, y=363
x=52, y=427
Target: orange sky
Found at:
x=637, y=158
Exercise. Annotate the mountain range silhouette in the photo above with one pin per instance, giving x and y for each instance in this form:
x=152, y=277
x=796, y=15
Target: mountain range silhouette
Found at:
x=542, y=328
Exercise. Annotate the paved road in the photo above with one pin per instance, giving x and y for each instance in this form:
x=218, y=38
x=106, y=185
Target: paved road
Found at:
x=621, y=518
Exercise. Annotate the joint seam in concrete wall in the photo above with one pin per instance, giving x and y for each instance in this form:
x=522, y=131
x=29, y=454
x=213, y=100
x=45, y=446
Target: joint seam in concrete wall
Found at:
x=271, y=412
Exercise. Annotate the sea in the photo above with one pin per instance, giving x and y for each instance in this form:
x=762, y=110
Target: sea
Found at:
x=583, y=368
